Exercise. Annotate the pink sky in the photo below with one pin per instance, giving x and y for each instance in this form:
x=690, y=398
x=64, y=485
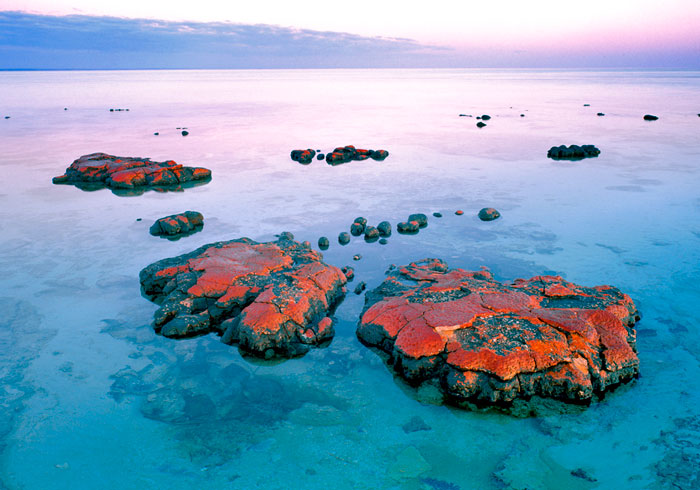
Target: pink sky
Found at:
x=634, y=24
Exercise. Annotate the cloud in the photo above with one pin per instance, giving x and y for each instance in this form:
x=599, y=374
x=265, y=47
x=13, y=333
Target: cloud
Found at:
x=29, y=41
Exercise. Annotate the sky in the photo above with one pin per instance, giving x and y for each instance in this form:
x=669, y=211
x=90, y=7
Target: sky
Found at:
x=312, y=33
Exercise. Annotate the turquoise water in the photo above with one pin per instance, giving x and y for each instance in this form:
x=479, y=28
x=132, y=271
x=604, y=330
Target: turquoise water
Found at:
x=90, y=397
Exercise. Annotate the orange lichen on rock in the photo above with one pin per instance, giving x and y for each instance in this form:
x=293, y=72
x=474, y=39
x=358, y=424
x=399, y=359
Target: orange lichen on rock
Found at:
x=488, y=342
x=127, y=175
x=273, y=299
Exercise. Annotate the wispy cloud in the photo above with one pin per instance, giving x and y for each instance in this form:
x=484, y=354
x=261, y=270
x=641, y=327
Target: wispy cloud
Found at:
x=78, y=41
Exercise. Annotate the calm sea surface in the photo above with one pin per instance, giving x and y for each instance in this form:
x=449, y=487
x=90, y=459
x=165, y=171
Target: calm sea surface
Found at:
x=91, y=398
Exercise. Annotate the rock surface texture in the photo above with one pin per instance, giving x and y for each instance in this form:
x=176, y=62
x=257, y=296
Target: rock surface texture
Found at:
x=178, y=224
x=99, y=170
x=489, y=343
x=272, y=298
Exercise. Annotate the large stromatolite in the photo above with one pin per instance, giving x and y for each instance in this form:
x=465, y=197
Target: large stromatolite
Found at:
x=130, y=175
x=492, y=343
x=272, y=298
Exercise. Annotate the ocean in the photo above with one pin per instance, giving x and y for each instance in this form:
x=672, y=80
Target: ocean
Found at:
x=91, y=397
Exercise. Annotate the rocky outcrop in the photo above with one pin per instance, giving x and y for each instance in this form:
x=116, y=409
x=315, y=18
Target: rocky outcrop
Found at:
x=130, y=174
x=177, y=225
x=303, y=156
x=273, y=298
x=491, y=343
x=573, y=152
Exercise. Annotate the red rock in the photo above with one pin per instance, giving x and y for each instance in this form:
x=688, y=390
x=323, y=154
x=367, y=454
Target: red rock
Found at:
x=271, y=298
x=491, y=343
x=303, y=156
x=129, y=175
x=178, y=225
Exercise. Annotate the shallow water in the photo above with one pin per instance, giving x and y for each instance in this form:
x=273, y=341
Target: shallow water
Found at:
x=90, y=397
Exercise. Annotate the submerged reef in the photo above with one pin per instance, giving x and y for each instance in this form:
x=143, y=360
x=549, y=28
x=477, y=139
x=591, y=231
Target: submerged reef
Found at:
x=178, y=225
x=130, y=175
x=490, y=343
x=573, y=152
x=272, y=299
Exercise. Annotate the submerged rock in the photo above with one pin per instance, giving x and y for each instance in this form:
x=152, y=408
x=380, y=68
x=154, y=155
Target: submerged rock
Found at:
x=650, y=117
x=177, y=225
x=344, y=238
x=272, y=299
x=490, y=343
x=489, y=214
x=573, y=152
x=129, y=174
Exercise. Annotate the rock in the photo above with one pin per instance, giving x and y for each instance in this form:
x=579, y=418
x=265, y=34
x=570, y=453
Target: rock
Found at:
x=437, y=215
x=650, y=117
x=522, y=115
x=185, y=133
x=320, y=156
x=489, y=214
x=156, y=134
x=129, y=174
x=361, y=220
x=416, y=424
x=573, y=152
x=303, y=156
x=360, y=287
x=323, y=243
x=7, y=117
x=344, y=238
x=378, y=155
x=406, y=227
x=485, y=117
x=349, y=272
x=420, y=218
x=465, y=115
x=480, y=124
x=383, y=241
x=491, y=343
x=384, y=228
x=356, y=257
x=287, y=235
x=371, y=234
x=270, y=298
x=586, y=105
x=459, y=212
x=177, y=225
x=600, y=114
x=409, y=464
x=356, y=229
x=583, y=474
